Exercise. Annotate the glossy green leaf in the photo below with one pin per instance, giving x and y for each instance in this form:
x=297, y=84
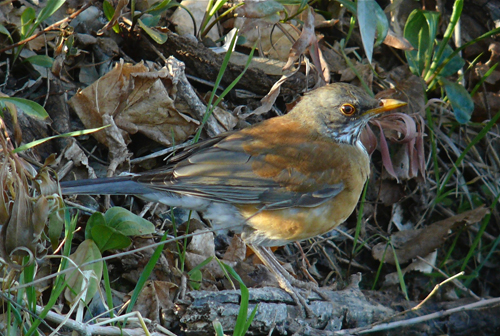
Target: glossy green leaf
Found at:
x=150, y=20
x=127, y=223
x=108, y=9
x=87, y=251
x=41, y=60
x=107, y=238
x=27, y=106
x=420, y=31
x=27, y=17
x=456, y=63
x=372, y=22
x=460, y=100
x=96, y=219
x=157, y=36
x=50, y=8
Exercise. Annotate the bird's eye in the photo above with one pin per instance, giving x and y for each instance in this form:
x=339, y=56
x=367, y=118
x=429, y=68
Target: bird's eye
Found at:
x=347, y=110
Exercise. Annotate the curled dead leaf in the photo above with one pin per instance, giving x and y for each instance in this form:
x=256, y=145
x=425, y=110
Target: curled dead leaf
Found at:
x=138, y=101
x=421, y=242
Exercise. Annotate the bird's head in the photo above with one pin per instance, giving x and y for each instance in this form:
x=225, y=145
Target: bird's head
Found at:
x=341, y=110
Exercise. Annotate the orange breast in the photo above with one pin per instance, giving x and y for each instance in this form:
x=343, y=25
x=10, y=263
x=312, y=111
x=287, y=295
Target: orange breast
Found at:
x=279, y=227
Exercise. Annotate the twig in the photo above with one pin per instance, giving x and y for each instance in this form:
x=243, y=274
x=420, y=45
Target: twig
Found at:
x=420, y=319
x=417, y=307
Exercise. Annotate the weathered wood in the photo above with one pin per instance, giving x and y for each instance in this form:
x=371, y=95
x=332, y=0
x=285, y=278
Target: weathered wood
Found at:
x=204, y=63
x=348, y=308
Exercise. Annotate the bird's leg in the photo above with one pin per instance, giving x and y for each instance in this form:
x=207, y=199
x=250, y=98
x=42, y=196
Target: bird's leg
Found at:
x=310, y=286
x=283, y=277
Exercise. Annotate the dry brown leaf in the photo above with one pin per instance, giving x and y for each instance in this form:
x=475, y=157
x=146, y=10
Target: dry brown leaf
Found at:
x=348, y=75
x=390, y=192
x=74, y=153
x=259, y=25
x=486, y=104
x=421, y=242
x=398, y=42
x=23, y=209
x=237, y=250
x=335, y=61
x=481, y=69
x=137, y=101
x=147, y=303
x=308, y=39
x=202, y=244
x=154, y=297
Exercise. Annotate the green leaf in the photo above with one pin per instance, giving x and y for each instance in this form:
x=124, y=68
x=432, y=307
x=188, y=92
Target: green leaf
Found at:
x=195, y=279
x=151, y=20
x=108, y=9
x=96, y=219
x=27, y=17
x=219, y=331
x=157, y=36
x=160, y=7
x=27, y=106
x=107, y=238
x=453, y=65
x=195, y=274
x=4, y=31
x=371, y=25
x=454, y=19
x=87, y=251
x=400, y=273
x=242, y=322
x=127, y=223
x=65, y=135
x=420, y=31
x=50, y=8
x=460, y=100
x=41, y=60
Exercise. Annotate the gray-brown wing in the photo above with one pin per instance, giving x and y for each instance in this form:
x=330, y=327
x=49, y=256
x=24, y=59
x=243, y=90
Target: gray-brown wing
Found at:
x=229, y=172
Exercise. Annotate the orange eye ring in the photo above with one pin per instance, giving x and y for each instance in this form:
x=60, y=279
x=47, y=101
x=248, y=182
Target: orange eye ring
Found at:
x=347, y=109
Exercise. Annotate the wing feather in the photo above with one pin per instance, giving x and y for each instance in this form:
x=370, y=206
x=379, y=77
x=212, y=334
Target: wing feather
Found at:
x=277, y=167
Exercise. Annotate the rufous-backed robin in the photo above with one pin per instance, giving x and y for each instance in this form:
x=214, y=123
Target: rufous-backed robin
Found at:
x=286, y=179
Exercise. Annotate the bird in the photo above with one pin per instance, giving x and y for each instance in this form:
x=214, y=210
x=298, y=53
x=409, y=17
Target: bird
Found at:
x=285, y=179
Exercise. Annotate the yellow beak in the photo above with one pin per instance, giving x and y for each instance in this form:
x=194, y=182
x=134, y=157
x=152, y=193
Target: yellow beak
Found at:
x=386, y=105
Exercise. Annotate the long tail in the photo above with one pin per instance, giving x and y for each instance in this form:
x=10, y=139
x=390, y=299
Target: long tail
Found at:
x=119, y=185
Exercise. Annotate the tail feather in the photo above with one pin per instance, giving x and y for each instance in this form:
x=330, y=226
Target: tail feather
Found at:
x=119, y=185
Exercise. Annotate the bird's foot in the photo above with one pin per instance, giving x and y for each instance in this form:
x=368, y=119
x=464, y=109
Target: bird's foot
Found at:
x=308, y=286
x=289, y=283
x=299, y=299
